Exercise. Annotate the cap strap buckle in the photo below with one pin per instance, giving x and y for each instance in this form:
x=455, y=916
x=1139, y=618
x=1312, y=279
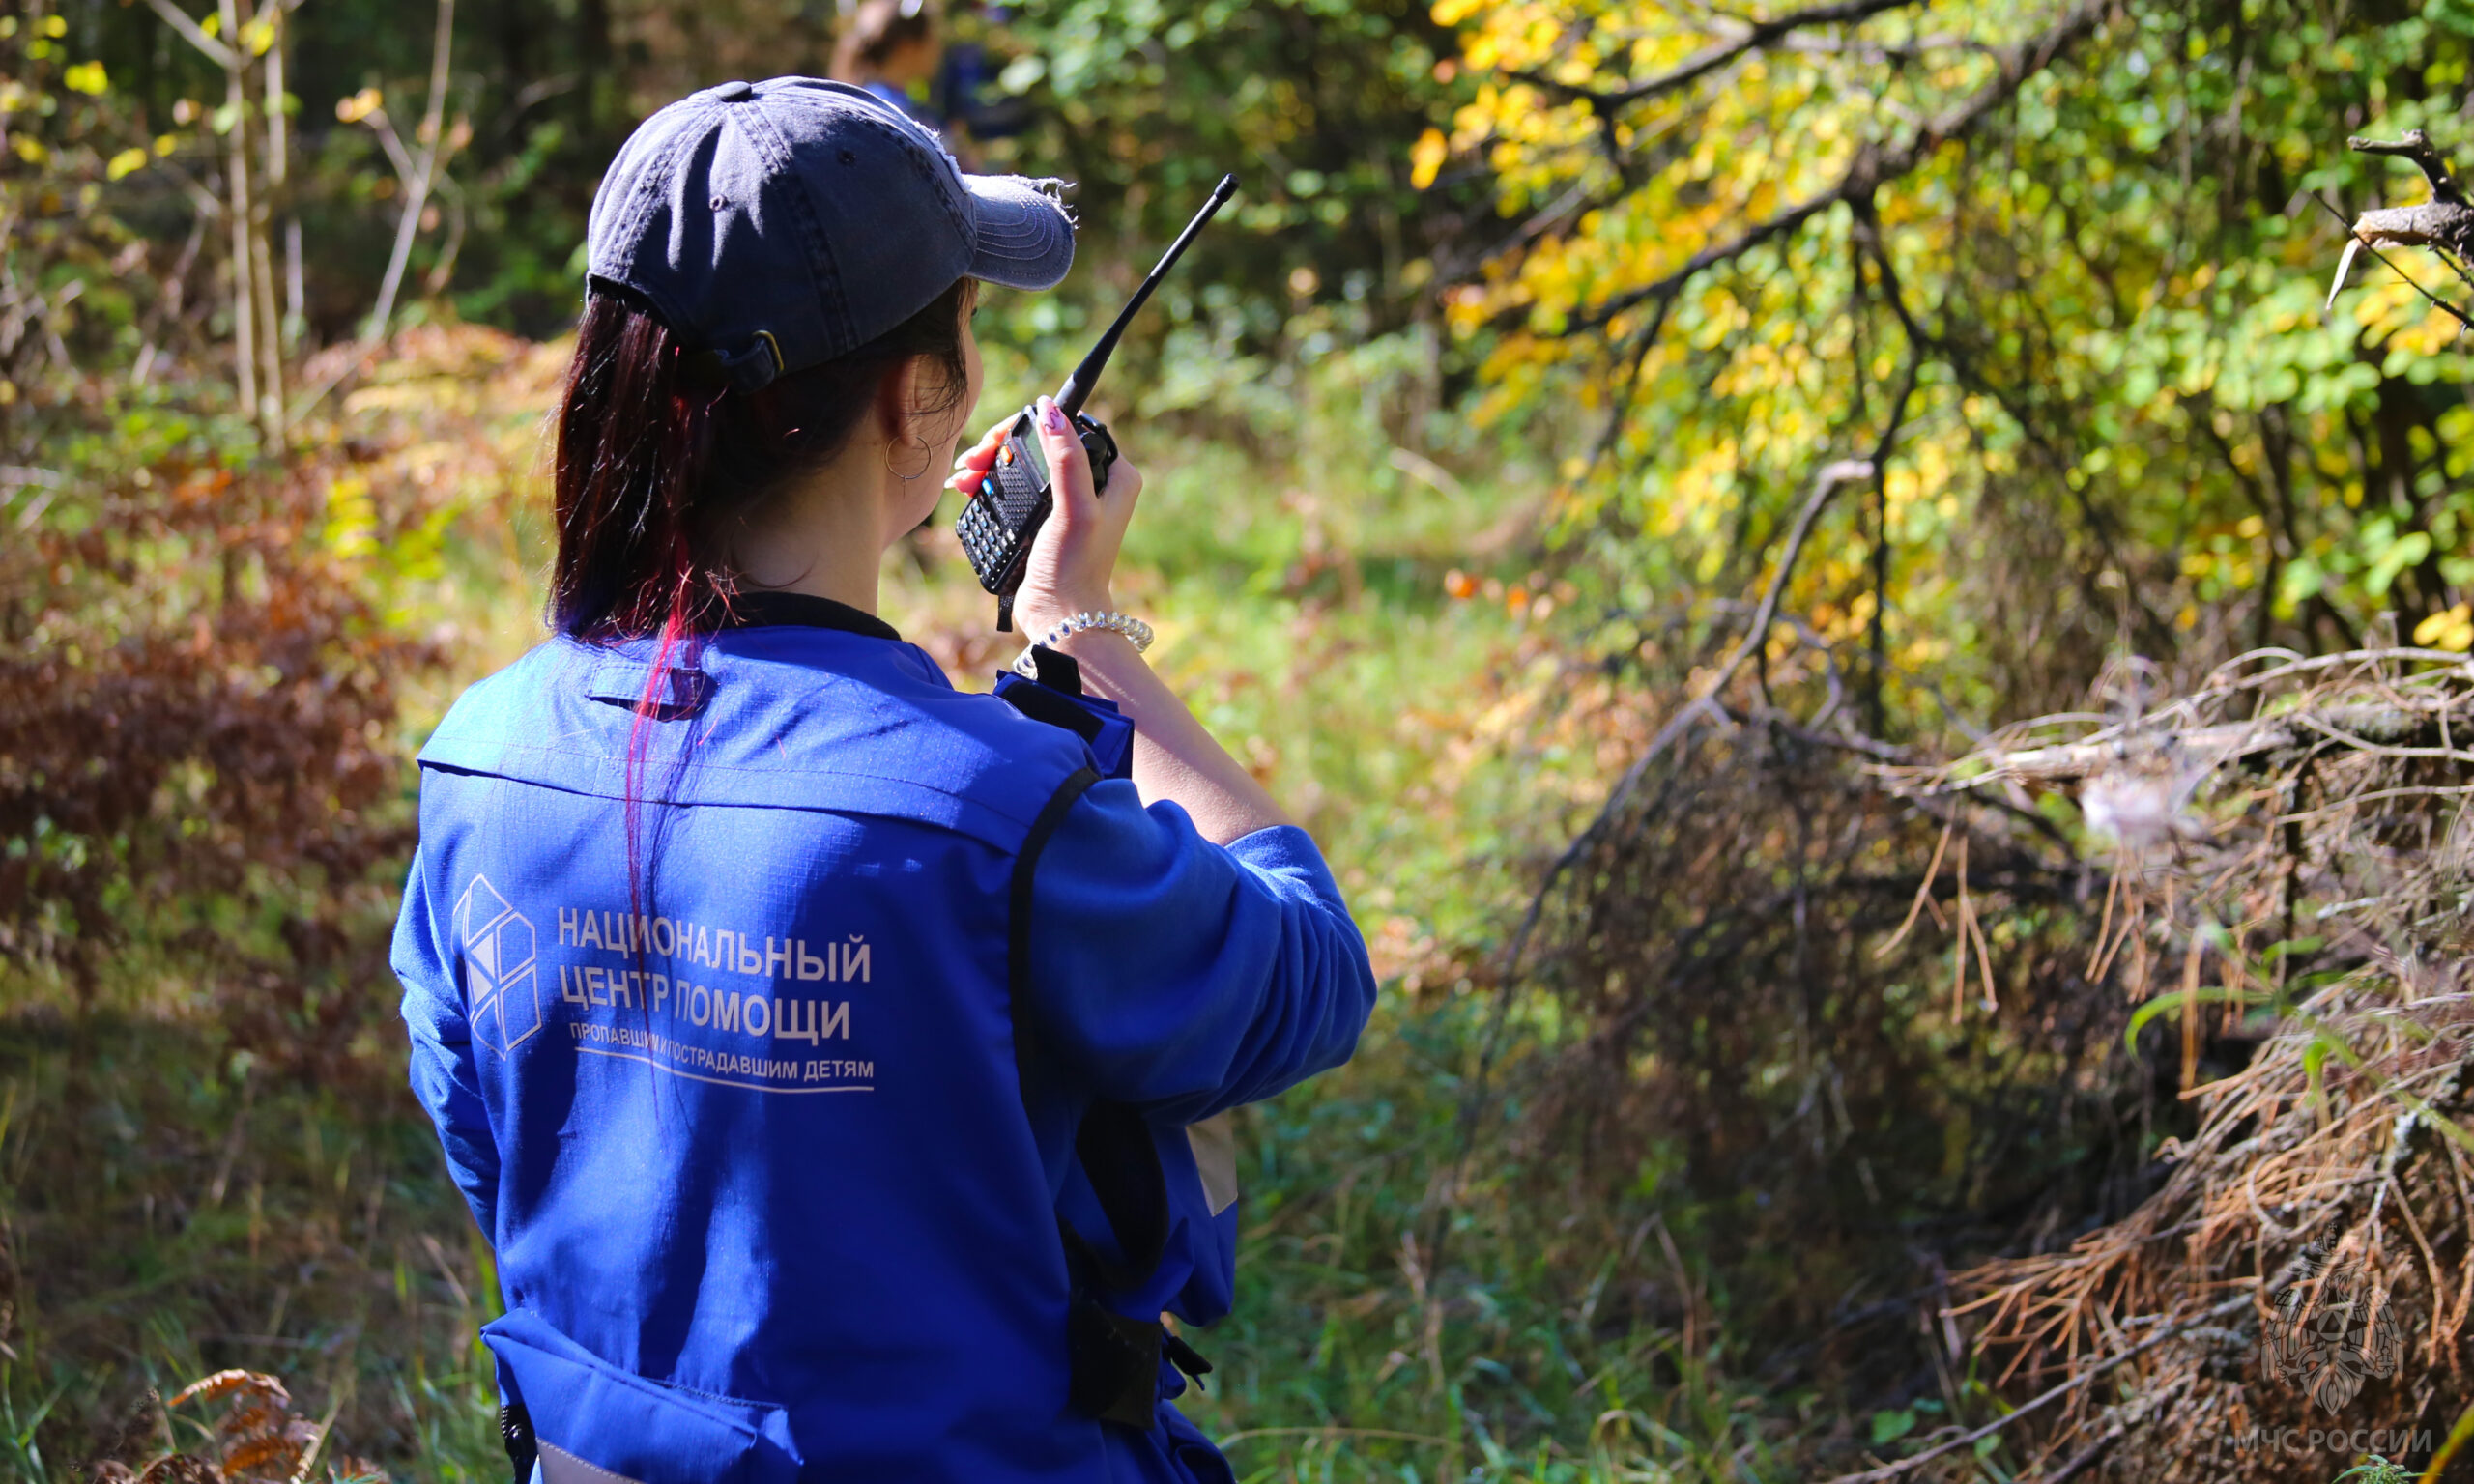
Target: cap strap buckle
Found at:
x=749, y=368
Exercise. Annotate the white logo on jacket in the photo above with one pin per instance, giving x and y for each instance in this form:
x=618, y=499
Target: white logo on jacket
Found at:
x=502, y=992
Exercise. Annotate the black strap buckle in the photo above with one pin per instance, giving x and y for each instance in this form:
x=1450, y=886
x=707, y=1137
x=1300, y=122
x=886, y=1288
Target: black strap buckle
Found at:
x=1114, y=1364
x=523, y=1450
x=1184, y=1356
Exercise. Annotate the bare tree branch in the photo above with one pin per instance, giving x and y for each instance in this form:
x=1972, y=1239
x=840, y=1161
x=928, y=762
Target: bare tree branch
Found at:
x=1555, y=215
x=420, y=175
x=1883, y=51
x=407, y=169
x=1701, y=64
x=2445, y=223
x=2417, y=147
x=191, y=32
x=2431, y=224
x=1908, y=1465
x=1963, y=363
x=432, y=137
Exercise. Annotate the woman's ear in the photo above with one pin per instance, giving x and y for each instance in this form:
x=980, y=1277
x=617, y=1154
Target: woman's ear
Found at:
x=900, y=401
x=922, y=403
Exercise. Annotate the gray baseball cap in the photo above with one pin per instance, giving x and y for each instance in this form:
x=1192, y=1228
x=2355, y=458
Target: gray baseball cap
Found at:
x=777, y=225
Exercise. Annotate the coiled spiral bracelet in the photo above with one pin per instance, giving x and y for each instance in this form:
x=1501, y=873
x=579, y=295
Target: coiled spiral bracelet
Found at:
x=1135, y=631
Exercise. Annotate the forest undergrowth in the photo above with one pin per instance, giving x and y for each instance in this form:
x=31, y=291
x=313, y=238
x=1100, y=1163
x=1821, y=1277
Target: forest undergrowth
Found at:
x=1666, y=1218
x=1616, y=474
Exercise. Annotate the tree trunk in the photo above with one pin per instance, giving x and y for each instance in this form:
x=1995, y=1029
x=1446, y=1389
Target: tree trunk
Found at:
x=238, y=205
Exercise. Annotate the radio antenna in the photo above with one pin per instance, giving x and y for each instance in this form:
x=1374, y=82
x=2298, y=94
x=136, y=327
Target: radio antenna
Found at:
x=1077, y=388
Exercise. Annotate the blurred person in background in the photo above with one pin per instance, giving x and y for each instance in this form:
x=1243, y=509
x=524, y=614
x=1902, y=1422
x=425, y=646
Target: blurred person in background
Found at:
x=902, y=51
x=893, y=49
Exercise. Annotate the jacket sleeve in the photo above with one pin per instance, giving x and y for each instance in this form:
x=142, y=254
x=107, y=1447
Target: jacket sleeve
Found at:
x=1184, y=977
x=444, y=1075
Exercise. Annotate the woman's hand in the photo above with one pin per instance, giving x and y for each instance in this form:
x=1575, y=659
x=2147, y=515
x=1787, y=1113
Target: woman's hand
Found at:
x=972, y=463
x=1071, y=563
x=1074, y=556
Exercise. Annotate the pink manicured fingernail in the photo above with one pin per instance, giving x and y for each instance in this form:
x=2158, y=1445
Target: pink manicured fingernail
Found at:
x=1050, y=418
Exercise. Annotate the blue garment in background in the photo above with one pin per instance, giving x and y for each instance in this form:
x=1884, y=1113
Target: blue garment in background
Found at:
x=743, y=1122
x=900, y=98
x=967, y=94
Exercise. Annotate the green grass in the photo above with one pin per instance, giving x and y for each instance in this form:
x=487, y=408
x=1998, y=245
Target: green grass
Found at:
x=1347, y=1358
x=174, y=1206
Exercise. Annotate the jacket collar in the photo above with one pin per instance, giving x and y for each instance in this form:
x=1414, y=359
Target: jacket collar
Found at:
x=770, y=608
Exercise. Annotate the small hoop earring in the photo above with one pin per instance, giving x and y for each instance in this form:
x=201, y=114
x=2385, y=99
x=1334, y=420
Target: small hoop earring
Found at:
x=925, y=459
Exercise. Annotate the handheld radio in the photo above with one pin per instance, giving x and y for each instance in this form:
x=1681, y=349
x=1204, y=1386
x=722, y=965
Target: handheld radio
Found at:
x=1006, y=512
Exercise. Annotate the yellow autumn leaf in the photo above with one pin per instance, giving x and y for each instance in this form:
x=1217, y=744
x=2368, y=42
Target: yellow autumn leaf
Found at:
x=351, y=519
x=1426, y=157
x=126, y=162
x=2451, y=629
x=86, y=77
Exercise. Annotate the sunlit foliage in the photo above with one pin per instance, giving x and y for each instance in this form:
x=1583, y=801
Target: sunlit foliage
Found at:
x=2092, y=240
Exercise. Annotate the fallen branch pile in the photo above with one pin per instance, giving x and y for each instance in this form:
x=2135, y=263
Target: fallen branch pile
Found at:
x=2293, y=861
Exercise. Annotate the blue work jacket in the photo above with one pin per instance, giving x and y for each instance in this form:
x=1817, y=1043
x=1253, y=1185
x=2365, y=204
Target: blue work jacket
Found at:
x=711, y=975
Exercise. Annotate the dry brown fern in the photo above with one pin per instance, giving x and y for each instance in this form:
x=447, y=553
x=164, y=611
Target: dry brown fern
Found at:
x=259, y=1440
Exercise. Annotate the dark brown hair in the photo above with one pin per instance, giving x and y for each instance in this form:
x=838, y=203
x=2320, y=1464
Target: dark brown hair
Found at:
x=651, y=467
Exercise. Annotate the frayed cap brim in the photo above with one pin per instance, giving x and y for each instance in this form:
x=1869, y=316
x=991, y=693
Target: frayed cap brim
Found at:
x=1023, y=236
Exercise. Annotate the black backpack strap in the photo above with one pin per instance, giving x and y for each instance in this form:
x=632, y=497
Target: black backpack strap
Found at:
x=1114, y=1360
x=1018, y=944
x=1123, y=1164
